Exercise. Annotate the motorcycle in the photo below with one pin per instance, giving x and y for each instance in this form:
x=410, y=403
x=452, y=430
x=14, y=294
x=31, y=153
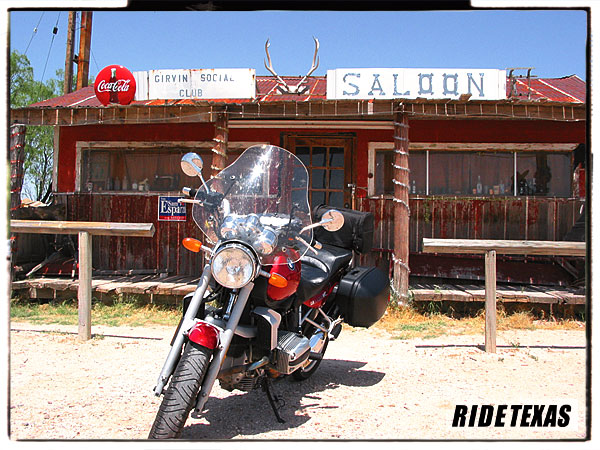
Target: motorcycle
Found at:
x=276, y=287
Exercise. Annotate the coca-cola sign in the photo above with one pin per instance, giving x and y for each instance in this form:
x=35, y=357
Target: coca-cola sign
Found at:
x=115, y=85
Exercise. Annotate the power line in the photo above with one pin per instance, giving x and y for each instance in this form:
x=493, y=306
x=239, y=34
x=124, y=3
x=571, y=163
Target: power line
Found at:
x=54, y=32
x=34, y=32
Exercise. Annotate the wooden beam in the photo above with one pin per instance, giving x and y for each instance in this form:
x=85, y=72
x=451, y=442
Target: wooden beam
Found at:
x=504, y=247
x=493, y=146
x=317, y=110
x=490, y=301
x=94, y=228
x=84, y=291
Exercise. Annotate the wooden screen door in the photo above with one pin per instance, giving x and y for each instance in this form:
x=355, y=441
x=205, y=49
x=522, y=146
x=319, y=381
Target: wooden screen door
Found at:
x=329, y=163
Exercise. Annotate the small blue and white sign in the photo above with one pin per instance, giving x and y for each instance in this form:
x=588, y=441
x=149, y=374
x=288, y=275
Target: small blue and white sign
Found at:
x=170, y=209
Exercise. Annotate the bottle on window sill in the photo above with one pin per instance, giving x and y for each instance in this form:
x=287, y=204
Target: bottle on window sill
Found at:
x=479, y=186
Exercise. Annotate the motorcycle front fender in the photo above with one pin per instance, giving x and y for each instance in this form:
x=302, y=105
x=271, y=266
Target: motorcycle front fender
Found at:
x=205, y=334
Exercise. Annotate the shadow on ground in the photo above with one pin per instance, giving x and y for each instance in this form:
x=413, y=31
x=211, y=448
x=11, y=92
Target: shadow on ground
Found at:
x=250, y=413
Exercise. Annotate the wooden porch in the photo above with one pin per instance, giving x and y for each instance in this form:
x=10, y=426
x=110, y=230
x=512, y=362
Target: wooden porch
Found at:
x=172, y=289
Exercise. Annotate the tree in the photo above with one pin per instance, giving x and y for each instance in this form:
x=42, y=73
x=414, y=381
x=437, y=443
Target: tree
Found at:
x=39, y=141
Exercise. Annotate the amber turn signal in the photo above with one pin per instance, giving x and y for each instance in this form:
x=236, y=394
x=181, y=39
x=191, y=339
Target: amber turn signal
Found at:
x=193, y=245
x=277, y=280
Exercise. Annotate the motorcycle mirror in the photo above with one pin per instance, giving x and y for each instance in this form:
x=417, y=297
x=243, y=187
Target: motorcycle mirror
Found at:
x=191, y=164
x=332, y=220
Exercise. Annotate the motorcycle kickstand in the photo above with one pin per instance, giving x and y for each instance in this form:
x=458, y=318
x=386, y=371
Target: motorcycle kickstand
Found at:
x=274, y=400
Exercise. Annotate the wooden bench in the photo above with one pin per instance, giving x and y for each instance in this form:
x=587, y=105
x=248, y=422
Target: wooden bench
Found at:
x=506, y=247
x=85, y=230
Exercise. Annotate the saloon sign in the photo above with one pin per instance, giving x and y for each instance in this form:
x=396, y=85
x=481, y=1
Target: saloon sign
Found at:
x=115, y=85
x=481, y=84
x=196, y=84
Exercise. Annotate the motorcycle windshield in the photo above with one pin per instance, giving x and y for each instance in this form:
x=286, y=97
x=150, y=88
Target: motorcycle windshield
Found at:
x=261, y=199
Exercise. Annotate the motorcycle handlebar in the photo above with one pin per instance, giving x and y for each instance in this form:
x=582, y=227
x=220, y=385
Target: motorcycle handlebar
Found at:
x=189, y=192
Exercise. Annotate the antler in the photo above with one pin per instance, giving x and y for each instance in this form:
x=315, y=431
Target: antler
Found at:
x=314, y=66
x=282, y=85
x=270, y=68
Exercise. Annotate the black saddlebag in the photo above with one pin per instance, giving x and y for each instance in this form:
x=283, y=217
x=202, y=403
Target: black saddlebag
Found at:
x=356, y=234
x=363, y=296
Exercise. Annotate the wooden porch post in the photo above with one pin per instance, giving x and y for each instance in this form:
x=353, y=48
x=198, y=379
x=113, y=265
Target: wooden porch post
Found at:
x=17, y=164
x=219, y=159
x=401, y=207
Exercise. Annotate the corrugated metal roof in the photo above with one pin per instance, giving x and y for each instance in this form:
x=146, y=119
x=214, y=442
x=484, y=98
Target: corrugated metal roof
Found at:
x=571, y=89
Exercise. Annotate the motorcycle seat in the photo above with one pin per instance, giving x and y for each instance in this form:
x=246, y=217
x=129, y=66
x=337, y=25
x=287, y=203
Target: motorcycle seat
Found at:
x=318, y=269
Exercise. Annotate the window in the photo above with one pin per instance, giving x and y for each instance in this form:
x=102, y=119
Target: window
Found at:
x=470, y=173
x=142, y=166
x=546, y=174
x=384, y=172
x=476, y=169
x=136, y=170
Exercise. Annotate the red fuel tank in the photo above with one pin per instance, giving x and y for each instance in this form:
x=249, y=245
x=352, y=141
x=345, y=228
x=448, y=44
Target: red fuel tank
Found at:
x=284, y=268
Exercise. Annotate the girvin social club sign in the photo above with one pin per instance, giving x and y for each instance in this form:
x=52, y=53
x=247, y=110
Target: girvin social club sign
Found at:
x=387, y=83
x=195, y=84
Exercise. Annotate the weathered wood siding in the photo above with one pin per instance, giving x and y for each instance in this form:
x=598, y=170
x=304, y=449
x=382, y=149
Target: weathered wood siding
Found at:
x=443, y=217
x=522, y=218
x=163, y=252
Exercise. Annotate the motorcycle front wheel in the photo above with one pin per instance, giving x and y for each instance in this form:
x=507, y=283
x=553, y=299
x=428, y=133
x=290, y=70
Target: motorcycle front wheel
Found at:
x=181, y=394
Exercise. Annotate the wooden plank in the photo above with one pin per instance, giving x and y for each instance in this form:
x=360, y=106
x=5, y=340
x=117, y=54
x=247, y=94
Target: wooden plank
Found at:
x=167, y=287
x=109, y=285
x=519, y=294
x=141, y=287
x=505, y=247
x=476, y=292
x=562, y=296
x=95, y=228
x=444, y=292
x=186, y=288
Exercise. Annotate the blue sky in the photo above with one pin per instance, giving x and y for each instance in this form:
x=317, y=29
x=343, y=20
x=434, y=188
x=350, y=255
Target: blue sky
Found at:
x=552, y=41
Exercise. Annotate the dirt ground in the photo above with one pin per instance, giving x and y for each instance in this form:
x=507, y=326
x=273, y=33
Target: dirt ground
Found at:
x=370, y=386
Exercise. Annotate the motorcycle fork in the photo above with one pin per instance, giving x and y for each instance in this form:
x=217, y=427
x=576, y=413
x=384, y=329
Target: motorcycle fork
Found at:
x=187, y=322
x=236, y=308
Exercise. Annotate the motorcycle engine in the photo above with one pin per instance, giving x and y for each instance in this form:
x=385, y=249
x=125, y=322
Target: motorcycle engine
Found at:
x=238, y=380
x=292, y=350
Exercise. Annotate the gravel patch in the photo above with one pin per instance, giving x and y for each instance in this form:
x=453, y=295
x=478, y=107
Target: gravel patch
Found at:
x=370, y=386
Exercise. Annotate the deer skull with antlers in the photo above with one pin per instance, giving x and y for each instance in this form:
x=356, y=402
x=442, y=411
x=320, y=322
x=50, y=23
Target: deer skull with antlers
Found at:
x=301, y=87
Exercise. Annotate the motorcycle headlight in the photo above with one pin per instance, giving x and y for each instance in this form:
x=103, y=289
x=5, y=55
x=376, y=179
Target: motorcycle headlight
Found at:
x=233, y=266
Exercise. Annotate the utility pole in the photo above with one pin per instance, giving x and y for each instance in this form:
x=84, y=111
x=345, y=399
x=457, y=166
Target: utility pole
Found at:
x=83, y=59
x=68, y=86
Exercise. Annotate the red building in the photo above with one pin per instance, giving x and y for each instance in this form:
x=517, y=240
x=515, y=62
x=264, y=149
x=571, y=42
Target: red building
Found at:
x=487, y=169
